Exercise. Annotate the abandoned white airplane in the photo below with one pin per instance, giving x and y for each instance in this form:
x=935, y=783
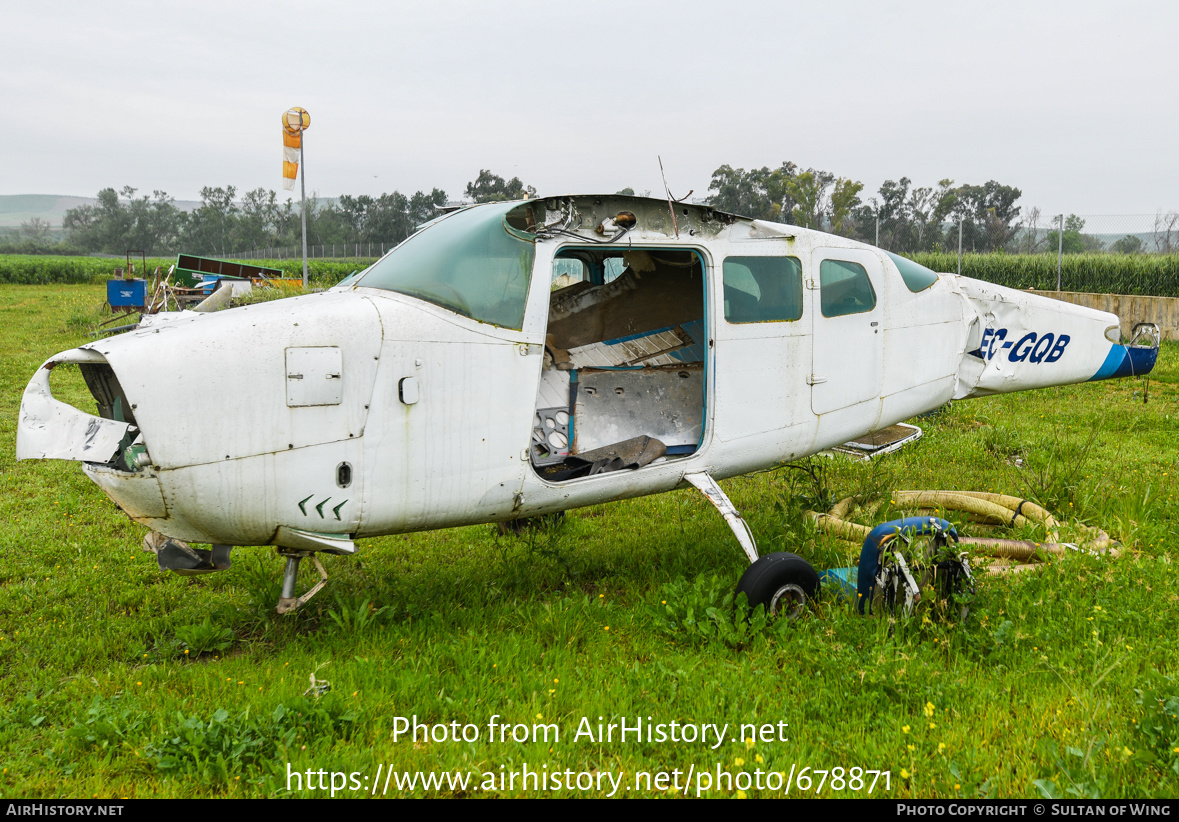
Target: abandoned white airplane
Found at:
x=452, y=383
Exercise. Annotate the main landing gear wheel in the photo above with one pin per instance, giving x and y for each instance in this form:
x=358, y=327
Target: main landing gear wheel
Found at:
x=782, y=582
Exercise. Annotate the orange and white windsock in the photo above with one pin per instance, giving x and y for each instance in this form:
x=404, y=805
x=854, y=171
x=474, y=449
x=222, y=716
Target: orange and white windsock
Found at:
x=294, y=122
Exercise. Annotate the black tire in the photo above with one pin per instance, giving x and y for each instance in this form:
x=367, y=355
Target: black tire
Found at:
x=781, y=582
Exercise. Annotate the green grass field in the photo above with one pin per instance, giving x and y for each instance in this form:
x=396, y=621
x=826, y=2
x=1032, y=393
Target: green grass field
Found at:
x=122, y=681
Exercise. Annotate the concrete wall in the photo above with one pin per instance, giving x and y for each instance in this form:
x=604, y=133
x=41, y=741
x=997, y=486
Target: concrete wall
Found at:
x=1131, y=309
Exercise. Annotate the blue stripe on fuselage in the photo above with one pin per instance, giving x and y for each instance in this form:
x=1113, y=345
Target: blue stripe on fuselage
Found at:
x=1113, y=360
x=1126, y=362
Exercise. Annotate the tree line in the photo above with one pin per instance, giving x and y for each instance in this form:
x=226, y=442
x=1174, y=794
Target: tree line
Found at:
x=899, y=217
x=912, y=220
x=225, y=223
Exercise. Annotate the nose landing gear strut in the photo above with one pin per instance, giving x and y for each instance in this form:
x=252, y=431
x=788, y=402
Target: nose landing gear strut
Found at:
x=288, y=602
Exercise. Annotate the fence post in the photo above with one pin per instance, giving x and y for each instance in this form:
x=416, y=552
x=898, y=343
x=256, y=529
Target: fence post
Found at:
x=1059, y=250
x=959, y=246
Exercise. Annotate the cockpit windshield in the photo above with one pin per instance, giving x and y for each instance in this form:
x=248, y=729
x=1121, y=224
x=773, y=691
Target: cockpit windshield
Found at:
x=477, y=262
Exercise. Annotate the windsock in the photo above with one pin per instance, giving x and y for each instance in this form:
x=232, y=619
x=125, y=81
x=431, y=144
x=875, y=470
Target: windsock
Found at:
x=294, y=121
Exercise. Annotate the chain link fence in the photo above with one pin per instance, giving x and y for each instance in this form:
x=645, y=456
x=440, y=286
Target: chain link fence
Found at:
x=1096, y=253
x=1156, y=233
x=328, y=251
x=1136, y=254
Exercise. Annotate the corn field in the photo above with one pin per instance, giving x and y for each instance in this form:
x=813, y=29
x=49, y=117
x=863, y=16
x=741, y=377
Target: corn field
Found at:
x=29, y=269
x=44, y=270
x=1154, y=275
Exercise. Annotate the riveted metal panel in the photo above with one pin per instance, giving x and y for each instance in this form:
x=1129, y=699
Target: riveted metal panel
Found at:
x=314, y=376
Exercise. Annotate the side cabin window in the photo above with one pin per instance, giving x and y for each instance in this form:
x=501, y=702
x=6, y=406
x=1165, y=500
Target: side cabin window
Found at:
x=762, y=289
x=845, y=289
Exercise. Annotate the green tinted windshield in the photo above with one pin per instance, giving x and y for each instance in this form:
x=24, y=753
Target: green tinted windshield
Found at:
x=470, y=262
x=916, y=276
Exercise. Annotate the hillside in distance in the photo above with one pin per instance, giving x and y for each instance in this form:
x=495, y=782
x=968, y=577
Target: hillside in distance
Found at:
x=20, y=208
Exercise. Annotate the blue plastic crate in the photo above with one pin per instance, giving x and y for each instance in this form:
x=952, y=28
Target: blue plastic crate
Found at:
x=126, y=293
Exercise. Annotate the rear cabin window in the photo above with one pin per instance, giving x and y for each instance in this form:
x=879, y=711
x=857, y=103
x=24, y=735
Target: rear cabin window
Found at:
x=845, y=289
x=762, y=289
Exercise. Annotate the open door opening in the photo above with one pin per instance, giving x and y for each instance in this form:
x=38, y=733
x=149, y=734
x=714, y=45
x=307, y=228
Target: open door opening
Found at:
x=623, y=380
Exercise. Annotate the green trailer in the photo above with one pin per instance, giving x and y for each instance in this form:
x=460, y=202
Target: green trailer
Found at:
x=191, y=270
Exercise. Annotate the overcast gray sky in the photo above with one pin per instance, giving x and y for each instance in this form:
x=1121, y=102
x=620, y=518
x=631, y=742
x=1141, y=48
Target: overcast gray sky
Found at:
x=1073, y=103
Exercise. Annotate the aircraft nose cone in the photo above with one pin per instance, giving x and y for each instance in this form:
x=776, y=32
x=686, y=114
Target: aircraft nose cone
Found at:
x=252, y=417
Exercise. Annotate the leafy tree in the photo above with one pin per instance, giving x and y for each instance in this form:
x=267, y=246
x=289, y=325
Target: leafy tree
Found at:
x=210, y=227
x=391, y=218
x=78, y=224
x=761, y=193
x=987, y=213
x=808, y=189
x=490, y=188
x=326, y=224
x=844, y=198
x=1130, y=244
x=388, y=219
x=1074, y=241
x=355, y=213
x=223, y=225
x=261, y=222
x=923, y=207
x=98, y=227
x=424, y=207
x=946, y=198
x=155, y=222
x=115, y=224
x=35, y=231
x=893, y=210
x=909, y=219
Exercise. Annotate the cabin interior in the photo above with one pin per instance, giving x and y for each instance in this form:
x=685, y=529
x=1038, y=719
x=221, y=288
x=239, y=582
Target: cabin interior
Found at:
x=623, y=380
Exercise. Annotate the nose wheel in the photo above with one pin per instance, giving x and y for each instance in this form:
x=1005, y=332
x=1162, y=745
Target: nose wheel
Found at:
x=288, y=602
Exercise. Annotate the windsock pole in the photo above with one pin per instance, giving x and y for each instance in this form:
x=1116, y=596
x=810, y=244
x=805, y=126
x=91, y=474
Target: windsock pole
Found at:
x=303, y=194
x=295, y=122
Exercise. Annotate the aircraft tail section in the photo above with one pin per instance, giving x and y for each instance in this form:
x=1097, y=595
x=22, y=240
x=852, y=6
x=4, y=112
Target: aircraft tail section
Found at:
x=1018, y=341
x=1133, y=359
